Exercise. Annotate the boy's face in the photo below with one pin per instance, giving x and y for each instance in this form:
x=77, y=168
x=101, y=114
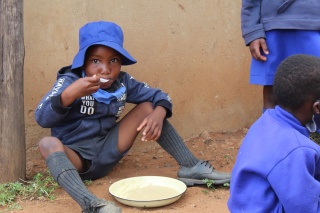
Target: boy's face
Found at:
x=103, y=62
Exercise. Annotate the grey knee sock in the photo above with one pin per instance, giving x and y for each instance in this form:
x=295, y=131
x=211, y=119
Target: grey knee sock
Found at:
x=66, y=175
x=171, y=141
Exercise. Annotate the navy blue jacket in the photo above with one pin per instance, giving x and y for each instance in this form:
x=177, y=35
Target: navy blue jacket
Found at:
x=86, y=117
x=258, y=16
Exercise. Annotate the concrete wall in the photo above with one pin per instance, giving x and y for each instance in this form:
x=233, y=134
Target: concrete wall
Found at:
x=192, y=49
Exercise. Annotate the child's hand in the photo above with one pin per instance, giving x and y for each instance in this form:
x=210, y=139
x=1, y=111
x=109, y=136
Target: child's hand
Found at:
x=255, y=48
x=87, y=85
x=152, y=124
x=79, y=88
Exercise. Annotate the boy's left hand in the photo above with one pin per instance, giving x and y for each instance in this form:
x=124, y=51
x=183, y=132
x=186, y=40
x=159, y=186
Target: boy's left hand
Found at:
x=152, y=124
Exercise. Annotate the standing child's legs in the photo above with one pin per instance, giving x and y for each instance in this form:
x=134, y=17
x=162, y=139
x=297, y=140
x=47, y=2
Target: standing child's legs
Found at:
x=64, y=165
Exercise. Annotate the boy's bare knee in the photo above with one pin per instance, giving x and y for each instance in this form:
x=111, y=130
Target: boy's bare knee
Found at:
x=48, y=145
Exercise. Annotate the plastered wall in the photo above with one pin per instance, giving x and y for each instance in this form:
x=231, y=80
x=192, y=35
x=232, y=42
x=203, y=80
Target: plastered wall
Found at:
x=192, y=49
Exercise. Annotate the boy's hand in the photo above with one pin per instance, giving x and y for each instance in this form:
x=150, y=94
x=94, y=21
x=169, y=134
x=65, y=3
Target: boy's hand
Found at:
x=255, y=48
x=152, y=124
x=79, y=88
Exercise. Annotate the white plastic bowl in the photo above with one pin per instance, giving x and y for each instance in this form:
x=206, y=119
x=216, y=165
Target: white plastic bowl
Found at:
x=147, y=191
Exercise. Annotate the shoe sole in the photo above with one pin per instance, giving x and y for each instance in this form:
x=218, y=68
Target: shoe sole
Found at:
x=192, y=182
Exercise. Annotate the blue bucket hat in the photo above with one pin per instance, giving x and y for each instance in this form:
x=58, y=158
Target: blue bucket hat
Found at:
x=104, y=33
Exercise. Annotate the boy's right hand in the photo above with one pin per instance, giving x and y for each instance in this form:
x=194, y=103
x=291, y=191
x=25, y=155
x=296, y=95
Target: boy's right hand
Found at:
x=81, y=87
x=257, y=47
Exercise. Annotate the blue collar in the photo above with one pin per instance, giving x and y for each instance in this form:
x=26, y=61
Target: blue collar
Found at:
x=104, y=96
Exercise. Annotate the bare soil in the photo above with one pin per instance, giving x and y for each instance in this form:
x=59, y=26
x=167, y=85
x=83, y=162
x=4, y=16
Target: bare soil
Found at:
x=148, y=158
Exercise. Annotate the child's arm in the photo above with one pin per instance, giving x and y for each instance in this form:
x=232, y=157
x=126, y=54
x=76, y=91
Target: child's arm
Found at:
x=79, y=88
x=256, y=47
x=295, y=180
x=138, y=92
x=252, y=29
x=56, y=105
x=251, y=25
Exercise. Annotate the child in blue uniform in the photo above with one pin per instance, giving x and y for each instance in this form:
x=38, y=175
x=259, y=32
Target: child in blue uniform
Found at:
x=278, y=166
x=274, y=30
x=83, y=109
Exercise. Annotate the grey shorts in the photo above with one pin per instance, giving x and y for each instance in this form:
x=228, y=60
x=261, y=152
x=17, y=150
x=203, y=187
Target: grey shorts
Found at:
x=101, y=151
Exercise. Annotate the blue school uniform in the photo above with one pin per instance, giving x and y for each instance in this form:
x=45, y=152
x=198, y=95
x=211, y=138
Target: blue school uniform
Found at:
x=277, y=167
x=289, y=27
x=90, y=127
x=282, y=44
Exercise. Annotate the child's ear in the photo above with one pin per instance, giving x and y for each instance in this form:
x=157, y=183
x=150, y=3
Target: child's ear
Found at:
x=316, y=107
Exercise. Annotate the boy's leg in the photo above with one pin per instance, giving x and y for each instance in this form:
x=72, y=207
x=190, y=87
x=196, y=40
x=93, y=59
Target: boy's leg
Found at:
x=192, y=171
x=65, y=173
x=129, y=124
x=171, y=141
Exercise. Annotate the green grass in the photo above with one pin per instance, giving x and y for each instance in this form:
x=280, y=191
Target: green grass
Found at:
x=41, y=186
x=210, y=184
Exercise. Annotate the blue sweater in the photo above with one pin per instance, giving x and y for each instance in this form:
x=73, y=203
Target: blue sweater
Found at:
x=258, y=16
x=277, y=168
x=86, y=117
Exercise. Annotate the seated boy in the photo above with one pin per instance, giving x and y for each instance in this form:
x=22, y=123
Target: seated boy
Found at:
x=278, y=165
x=82, y=111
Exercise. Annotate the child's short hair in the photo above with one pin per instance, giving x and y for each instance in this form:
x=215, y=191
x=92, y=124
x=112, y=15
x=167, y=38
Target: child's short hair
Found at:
x=297, y=80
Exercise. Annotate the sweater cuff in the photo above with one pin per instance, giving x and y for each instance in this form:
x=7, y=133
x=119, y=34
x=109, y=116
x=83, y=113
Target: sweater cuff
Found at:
x=165, y=104
x=56, y=105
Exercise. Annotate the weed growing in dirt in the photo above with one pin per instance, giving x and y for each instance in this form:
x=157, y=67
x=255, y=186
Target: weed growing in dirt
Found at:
x=227, y=158
x=87, y=182
x=226, y=185
x=315, y=137
x=40, y=187
x=205, y=191
x=209, y=183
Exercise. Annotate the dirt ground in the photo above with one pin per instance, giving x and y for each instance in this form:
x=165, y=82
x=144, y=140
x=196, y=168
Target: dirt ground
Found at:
x=147, y=158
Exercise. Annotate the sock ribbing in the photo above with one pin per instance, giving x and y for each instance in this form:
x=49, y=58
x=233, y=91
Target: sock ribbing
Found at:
x=66, y=175
x=171, y=142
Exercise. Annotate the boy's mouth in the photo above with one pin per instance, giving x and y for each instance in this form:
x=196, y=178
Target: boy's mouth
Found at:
x=103, y=80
